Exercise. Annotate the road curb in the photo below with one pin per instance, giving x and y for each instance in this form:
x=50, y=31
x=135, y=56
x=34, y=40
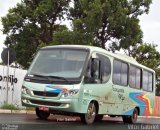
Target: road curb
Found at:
x=142, y=116
x=5, y=111
x=149, y=116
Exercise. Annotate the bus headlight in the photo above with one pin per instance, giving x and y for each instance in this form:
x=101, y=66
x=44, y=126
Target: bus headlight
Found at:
x=25, y=90
x=70, y=92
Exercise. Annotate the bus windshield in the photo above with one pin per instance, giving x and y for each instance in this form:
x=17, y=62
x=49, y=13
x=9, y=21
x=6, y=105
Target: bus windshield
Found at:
x=67, y=63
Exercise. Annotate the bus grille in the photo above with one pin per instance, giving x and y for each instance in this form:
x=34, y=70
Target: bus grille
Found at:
x=45, y=103
x=45, y=94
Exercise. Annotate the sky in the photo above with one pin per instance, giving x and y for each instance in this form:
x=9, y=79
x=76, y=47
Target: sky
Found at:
x=150, y=23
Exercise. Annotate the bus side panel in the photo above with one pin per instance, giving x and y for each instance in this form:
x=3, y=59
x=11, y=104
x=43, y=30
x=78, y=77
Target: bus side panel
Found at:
x=144, y=102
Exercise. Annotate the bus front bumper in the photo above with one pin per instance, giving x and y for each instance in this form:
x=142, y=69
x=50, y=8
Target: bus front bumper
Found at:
x=62, y=104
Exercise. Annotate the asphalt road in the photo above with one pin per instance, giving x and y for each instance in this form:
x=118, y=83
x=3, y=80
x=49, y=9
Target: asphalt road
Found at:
x=31, y=122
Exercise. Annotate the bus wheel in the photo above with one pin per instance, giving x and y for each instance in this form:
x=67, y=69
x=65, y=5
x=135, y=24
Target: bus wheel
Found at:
x=90, y=116
x=42, y=114
x=131, y=119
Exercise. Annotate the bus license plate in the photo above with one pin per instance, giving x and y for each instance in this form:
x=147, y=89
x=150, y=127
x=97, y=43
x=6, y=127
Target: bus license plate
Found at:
x=43, y=108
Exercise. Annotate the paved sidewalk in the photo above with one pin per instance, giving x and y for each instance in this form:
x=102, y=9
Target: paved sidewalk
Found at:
x=141, y=116
x=149, y=116
x=17, y=111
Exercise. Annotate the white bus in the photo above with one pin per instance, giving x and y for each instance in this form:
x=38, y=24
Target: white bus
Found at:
x=90, y=82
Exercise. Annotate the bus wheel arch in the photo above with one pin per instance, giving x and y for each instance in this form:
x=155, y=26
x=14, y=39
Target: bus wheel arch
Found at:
x=96, y=105
x=98, y=117
x=134, y=115
x=138, y=109
x=132, y=118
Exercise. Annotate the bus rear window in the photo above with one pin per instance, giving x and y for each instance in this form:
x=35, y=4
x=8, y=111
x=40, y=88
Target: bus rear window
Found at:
x=147, y=83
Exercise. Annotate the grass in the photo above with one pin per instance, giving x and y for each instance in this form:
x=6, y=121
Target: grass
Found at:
x=9, y=107
x=14, y=107
x=30, y=108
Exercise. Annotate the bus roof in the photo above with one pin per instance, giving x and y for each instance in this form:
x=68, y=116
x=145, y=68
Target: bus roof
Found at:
x=121, y=57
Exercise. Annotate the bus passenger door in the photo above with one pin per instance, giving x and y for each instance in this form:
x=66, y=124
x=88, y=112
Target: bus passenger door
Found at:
x=98, y=85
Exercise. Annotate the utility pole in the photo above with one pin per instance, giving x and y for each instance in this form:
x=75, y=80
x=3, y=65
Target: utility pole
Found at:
x=7, y=74
x=8, y=56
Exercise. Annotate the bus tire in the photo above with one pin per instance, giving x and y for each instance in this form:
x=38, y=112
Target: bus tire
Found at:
x=89, y=117
x=42, y=114
x=131, y=119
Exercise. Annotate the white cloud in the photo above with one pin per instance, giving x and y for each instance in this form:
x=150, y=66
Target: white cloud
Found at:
x=150, y=24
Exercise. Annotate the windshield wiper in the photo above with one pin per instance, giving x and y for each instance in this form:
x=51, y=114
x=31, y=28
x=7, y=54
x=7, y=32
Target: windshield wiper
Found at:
x=49, y=77
x=57, y=77
x=37, y=75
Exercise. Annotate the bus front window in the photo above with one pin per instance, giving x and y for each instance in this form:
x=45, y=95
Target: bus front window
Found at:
x=67, y=63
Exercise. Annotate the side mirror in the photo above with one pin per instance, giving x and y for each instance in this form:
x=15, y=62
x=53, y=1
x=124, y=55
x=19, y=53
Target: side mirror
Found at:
x=94, y=65
x=95, y=70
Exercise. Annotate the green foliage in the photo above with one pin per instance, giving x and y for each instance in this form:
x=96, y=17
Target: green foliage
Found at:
x=9, y=106
x=158, y=89
x=30, y=109
x=72, y=37
x=110, y=22
x=32, y=23
x=147, y=55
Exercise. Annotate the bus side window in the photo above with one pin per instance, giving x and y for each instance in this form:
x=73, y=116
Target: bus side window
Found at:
x=120, y=73
x=134, y=77
x=147, y=82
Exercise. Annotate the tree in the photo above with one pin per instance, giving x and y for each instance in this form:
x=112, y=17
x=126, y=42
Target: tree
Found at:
x=147, y=55
x=72, y=37
x=113, y=24
x=31, y=24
